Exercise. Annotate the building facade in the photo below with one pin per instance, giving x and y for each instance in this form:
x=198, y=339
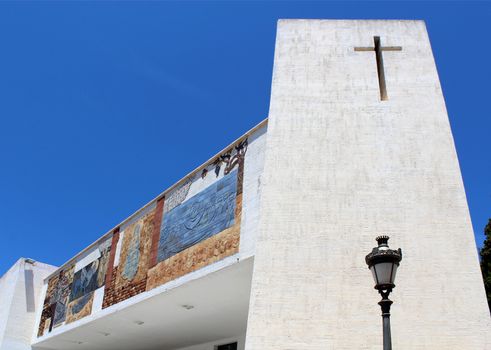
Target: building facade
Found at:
x=262, y=247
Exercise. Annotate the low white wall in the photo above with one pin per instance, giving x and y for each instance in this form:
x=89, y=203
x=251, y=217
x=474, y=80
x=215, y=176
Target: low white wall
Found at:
x=20, y=300
x=7, y=289
x=253, y=168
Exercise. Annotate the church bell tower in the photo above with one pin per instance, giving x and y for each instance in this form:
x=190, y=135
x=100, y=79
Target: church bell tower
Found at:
x=359, y=144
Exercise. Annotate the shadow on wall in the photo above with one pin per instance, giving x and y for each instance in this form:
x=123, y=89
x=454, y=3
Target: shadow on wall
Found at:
x=29, y=285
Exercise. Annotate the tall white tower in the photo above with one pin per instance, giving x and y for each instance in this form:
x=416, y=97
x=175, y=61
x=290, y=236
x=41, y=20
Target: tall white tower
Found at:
x=359, y=144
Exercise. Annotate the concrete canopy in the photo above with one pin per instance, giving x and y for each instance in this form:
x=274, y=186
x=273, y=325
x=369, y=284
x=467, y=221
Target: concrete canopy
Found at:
x=219, y=301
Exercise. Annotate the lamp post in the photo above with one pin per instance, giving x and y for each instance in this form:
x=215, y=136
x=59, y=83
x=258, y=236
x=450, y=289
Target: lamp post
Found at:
x=383, y=262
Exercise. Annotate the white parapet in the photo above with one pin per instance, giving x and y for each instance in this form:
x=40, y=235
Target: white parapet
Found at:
x=343, y=166
x=20, y=302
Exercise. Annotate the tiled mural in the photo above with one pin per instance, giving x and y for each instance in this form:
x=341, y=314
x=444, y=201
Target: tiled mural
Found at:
x=195, y=224
x=59, y=298
x=72, y=288
x=202, y=216
x=129, y=278
x=80, y=307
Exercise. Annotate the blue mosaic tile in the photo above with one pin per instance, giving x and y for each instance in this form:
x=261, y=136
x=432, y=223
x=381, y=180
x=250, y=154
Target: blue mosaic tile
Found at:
x=204, y=215
x=85, y=281
x=60, y=313
x=79, y=304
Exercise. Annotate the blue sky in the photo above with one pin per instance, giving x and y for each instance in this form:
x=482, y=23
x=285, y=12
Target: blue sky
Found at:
x=104, y=105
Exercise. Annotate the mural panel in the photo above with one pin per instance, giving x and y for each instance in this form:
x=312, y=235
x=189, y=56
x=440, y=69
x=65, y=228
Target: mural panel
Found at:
x=204, y=228
x=92, y=276
x=85, y=280
x=133, y=254
x=209, y=212
x=67, y=287
x=194, y=225
x=80, y=308
x=130, y=276
x=177, y=196
x=60, y=295
x=56, y=299
x=105, y=250
x=48, y=309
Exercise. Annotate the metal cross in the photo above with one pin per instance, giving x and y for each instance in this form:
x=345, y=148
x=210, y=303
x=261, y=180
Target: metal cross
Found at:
x=380, y=63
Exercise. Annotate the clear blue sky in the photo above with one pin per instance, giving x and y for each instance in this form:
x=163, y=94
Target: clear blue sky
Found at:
x=104, y=105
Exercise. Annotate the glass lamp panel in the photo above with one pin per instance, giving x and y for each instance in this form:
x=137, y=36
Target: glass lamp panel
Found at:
x=372, y=268
x=394, y=270
x=384, y=271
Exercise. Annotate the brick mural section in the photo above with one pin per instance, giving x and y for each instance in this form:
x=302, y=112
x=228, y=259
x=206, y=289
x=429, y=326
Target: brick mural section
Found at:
x=130, y=278
x=110, y=296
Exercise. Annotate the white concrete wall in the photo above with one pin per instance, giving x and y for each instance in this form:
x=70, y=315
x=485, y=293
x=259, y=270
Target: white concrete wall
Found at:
x=20, y=302
x=7, y=289
x=343, y=167
x=253, y=169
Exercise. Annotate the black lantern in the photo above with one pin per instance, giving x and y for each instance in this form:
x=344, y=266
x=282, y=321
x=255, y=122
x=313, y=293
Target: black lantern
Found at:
x=383, y=262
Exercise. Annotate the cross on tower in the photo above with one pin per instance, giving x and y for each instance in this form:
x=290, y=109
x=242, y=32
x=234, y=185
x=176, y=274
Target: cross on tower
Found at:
x=380, y=63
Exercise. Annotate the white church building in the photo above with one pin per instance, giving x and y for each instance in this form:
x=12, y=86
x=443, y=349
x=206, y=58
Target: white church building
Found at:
x=263, y=246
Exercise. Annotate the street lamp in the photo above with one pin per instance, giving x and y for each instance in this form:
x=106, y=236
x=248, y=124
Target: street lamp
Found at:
x=383, y=262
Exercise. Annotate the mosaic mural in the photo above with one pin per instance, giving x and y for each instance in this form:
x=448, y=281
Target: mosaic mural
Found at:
x=90, y=277
x=177, y=196
x=133, y=257
x=69, y=287
x=105, y=251
x=80, y=307
x=85, y=280
x=194, y=225
x=202, y=216
x=57, y=298
x=60, y=295
x=129, y=278
x=205, y=227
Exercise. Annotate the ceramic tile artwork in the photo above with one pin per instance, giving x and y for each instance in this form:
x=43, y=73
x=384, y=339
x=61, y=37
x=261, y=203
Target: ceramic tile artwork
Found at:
x=60, y=313
x=135, y=250
x=191, y=231
x=202, y=216
x=177, y=196
x=47, y=312
x=129, y=278
x=80, y=307
x=67, y=286
x=60, y=295
x=105, y=250
x=85, y=280
x=133, y=257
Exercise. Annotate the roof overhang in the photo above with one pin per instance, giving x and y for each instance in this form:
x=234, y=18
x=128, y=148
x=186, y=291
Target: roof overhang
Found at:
x=212, y=307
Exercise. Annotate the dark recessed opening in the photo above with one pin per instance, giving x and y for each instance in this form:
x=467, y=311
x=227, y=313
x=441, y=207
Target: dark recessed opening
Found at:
x=231, y=346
